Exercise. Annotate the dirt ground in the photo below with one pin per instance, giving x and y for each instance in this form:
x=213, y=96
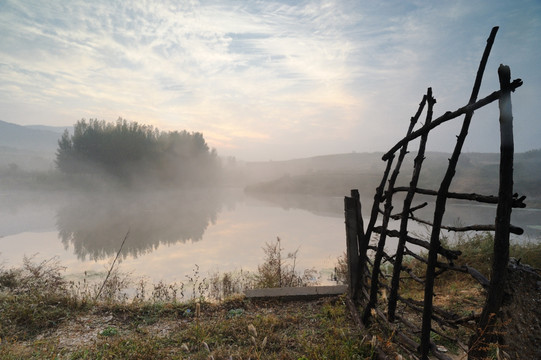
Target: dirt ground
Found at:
x=521, y=329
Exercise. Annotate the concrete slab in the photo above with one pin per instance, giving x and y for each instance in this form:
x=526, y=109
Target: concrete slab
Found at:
x=294, y=293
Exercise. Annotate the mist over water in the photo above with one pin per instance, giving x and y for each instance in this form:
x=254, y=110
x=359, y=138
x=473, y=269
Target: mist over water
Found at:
x=94, y=225
x=214, y=214
x=172, y=230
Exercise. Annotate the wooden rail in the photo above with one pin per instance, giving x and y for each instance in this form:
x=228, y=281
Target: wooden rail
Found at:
x=362, y=268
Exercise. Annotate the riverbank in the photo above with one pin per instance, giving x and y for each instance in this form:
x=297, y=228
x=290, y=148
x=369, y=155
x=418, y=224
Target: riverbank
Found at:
x=42, y=316
x=233, y=329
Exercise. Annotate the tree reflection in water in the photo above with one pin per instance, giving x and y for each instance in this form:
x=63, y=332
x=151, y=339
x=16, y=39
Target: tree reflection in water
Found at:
x=96, y=224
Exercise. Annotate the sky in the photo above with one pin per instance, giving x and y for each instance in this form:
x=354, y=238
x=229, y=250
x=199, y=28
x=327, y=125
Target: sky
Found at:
x=270, y=80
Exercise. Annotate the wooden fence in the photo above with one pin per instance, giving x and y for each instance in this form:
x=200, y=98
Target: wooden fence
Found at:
x=365, y=273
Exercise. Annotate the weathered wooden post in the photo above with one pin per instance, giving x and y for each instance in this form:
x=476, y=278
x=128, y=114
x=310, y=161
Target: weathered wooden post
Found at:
x=362, y=241
x=500, y=261
x=352, y=244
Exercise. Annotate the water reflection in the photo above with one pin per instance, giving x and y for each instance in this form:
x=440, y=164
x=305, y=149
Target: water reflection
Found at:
x=457, y=213
x=96, y=225
x=318, y=205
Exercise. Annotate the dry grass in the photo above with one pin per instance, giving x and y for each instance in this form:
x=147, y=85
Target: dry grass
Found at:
x=44, y=317
x=236, y=328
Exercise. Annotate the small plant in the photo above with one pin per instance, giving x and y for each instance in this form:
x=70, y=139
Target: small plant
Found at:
x=109, y=331
x=485, y=342
x=340, y=274
x=234, y=313
x=140, y=290
x=228, y=284
x=199, y=287
x=163, y=292
x=258, y=347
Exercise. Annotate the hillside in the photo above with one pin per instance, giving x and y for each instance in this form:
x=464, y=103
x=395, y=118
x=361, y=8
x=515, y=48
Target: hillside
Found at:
x=336, y=175
x=34, y=147
x=32, y=138
x=27, y=147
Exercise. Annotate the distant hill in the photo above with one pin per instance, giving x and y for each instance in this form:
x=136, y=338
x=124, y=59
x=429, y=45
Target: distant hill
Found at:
x=34, y=147
x=256, y=171
x=55, y=129
x=28, y=147
x=336, y=175
x=31, y=138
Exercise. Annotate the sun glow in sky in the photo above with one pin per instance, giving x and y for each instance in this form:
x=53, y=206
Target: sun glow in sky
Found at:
x=269, y=80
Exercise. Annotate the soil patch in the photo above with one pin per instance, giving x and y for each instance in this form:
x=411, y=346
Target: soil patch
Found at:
x=521, y=313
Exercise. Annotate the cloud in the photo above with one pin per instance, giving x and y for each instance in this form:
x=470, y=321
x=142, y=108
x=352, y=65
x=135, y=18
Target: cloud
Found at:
x=265, y=72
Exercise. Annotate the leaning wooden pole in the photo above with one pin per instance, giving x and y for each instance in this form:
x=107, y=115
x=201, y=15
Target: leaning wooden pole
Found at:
x=441, y=201
x=494, y=299
x=397, y=268
x=370, y=228
x=388, y=207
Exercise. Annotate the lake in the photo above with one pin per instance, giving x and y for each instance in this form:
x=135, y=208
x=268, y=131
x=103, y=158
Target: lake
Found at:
x=170, y=233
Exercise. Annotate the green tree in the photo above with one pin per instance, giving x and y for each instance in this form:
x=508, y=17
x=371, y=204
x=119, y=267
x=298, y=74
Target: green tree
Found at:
x=128, y=150
x=65, y=160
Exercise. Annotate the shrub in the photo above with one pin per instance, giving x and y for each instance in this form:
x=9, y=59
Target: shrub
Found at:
x=33, y=298
x=276, y=272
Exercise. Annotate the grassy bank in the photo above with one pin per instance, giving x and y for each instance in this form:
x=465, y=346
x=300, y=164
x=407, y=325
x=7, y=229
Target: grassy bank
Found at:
x=43, y=316
x=232, y=329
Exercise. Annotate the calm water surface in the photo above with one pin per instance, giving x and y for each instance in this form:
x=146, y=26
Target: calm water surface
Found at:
x=172, y=232
x=169, y=233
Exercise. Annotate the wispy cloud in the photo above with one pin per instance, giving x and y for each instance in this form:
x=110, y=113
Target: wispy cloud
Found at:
x=252, y=72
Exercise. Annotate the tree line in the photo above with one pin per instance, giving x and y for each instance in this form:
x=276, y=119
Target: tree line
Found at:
x=135, y=153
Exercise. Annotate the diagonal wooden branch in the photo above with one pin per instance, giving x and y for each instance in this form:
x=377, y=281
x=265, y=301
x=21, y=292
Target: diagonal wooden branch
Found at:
x=474, y=273
x=112, y=265
x=386, y=216
x=446, y=315
x=410, y=211
x=365, y=240
x=449, y=254
x=487, y=227
x=449, y=115
x=518, y=202
x=405, y=340
x=465, y=319
x=404, y=268
x=415, y=307
x=407, y=209
x=441, y=201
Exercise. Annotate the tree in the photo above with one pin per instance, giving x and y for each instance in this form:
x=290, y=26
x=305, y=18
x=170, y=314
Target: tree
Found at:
x=64, y=155
x=128, y=150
